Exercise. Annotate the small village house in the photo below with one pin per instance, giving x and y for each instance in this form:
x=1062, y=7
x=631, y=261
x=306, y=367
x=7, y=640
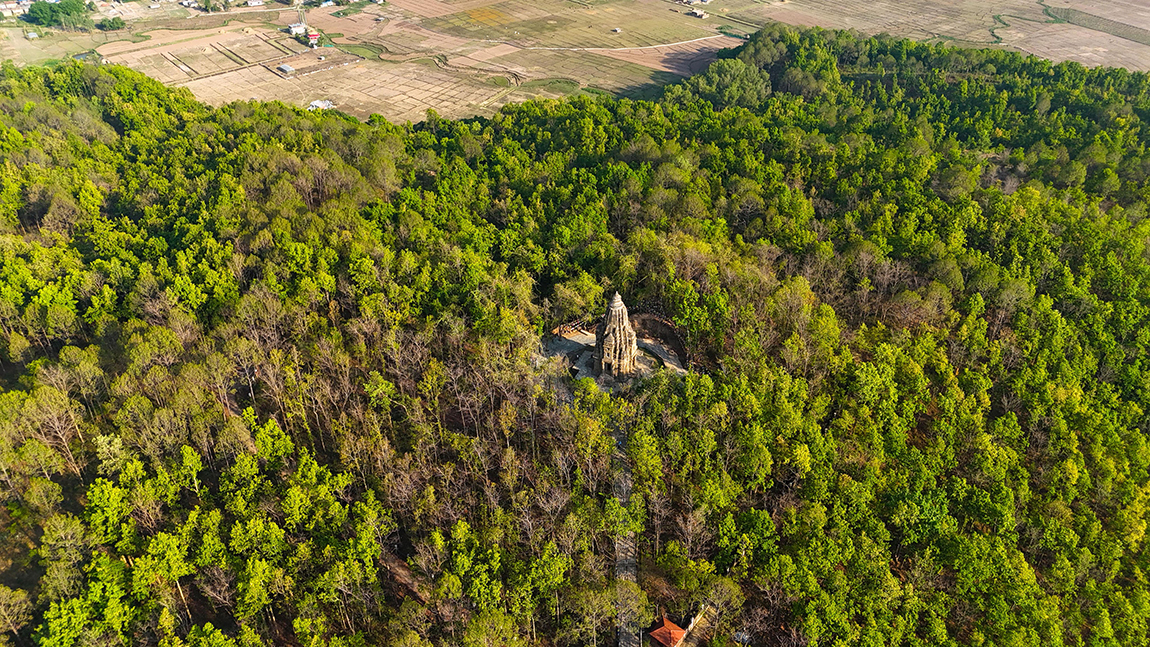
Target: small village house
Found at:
x=667, y=633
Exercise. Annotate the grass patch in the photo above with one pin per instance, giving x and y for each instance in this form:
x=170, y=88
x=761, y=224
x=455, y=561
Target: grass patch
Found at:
x=351, y=9
x=499, y=81
x=733, y=31
x=213, y=20
x=132, y=37
x=560, y=86
x=363, y=51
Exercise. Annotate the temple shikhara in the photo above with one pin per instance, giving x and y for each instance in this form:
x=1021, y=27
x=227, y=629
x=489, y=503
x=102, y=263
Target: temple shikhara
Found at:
x=616, y=347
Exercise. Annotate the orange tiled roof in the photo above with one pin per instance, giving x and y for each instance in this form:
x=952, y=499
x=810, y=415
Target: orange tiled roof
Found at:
x=668, y=633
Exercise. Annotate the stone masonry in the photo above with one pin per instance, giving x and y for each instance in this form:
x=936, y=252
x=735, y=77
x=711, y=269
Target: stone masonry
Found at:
x=615, y=341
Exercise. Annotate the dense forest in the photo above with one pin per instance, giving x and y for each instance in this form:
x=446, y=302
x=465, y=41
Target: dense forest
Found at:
x=273, y=377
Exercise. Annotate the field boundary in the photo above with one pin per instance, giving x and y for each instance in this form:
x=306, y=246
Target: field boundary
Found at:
x=1098, y=23
x=603, y=49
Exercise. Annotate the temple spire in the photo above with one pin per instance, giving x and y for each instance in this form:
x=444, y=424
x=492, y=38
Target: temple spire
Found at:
x=615, y=341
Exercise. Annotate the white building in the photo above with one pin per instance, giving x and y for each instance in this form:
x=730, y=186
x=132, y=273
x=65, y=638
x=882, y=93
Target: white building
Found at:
x=297, y=29
x=12, y=9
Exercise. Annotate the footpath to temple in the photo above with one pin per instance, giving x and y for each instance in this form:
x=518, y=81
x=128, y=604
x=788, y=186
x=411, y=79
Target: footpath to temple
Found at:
x=626, y=564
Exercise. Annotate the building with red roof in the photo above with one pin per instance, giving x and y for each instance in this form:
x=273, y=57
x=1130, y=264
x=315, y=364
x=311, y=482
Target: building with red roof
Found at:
x=667, y=633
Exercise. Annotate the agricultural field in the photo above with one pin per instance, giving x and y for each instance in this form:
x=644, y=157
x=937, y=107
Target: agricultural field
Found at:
x=469, y=57
x=1135, y=13
x=1100, y=23
x=1066, y=41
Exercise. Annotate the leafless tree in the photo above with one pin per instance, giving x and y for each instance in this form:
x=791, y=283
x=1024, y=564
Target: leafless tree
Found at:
x=692, y=532
x=218, y=585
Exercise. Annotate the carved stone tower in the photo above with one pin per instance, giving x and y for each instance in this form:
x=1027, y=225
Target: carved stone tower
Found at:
x=615, y=348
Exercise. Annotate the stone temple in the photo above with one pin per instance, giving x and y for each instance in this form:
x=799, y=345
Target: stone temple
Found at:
x=619, y=349
x=616, y=350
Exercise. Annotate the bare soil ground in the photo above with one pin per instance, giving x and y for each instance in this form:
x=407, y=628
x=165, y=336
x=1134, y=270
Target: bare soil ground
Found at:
x=588, y=69
x=403, y=91
x=1024, y=25
x=142, y=10
x=1063, y=41
x=969, y=21
x=435, y=9
x=50, y=46
x=683, y=59
x=1131, y=12
x=174, y=58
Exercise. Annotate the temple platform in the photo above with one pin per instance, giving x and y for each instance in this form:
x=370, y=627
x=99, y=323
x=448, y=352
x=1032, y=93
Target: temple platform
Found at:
x=576, y=348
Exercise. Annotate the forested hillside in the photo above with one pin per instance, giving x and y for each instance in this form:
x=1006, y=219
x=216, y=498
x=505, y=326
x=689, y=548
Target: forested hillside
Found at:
x=256, y=359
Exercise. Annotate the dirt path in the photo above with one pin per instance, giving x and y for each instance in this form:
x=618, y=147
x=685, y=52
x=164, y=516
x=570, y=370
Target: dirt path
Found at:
x=626, y=564
x=700, y=629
